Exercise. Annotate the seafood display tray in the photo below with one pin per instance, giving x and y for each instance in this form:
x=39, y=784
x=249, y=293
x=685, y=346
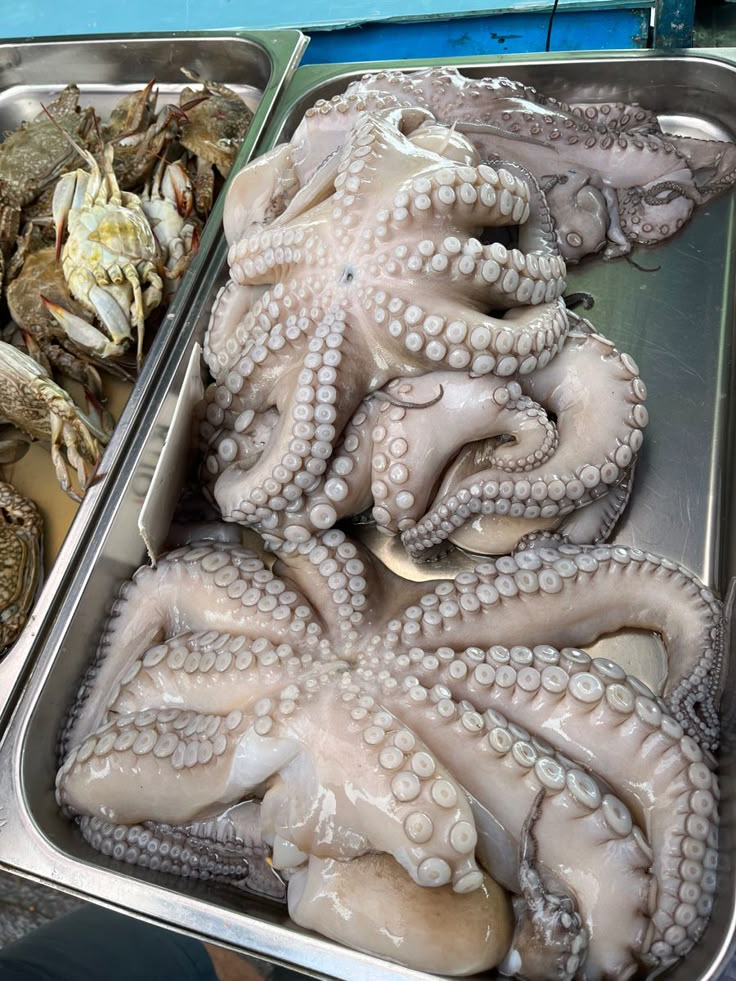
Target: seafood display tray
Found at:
x=257, y=65
x=673, y=311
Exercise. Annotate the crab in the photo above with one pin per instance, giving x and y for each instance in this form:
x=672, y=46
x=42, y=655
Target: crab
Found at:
x=35, y=404
x=36, y=286
x=215, y=121
x=168, y=202
x=138, y=135
x=111, y=259
x=21, y=530
x=35, y=155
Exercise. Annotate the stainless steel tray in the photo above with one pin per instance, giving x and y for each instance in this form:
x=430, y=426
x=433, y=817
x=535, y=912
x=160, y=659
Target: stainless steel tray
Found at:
x=258, y=65
x=677, y=322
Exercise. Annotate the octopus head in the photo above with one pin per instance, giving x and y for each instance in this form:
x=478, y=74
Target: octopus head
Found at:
x=583, y=229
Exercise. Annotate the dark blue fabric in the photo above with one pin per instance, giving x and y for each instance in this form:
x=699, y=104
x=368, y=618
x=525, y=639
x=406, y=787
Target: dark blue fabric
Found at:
x=95, y=944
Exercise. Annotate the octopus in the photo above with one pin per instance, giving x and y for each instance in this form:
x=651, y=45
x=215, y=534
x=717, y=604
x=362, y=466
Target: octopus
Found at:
x=443, y=758
x=448, y=425
x=321, y=309
x=613, y=177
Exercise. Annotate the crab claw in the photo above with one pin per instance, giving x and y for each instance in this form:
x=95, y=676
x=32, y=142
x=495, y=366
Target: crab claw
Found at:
x=84, y=334
x=61, y=206
x=97, y=417
x=176, y=186
x=198, y=100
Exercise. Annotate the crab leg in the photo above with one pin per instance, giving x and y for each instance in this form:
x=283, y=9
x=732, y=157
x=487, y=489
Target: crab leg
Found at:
x=88, y=337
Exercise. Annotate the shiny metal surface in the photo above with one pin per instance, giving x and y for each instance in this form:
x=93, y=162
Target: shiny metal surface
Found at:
x=678, y=323
x=258, y=65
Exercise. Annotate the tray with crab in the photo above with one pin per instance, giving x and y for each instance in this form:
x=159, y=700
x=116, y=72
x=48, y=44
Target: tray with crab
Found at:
x=114, y=154
x=462, y=361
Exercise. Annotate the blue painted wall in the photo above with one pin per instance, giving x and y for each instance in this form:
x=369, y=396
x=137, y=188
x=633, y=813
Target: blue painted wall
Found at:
x=437, y=28
x=499, y=34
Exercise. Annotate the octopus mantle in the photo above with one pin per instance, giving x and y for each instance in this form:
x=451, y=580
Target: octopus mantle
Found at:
x=424, y=779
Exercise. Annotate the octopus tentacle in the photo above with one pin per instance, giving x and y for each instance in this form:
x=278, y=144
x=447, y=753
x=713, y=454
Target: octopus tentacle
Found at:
x=170, y=765
x=648, y=222
x=210, y=673
x=221, y=850
x=574, y=475
x=340, y=580
x=313, y=407
x=198, y=587
x=411, y=451
x=608, y=588
x=230, y=437
x=537, y=234
x=660, y=773
x=595, y=522
x=500, y=766
x=712, y=162
x=224, y=338
x=446, y=90
x=262, y=193
x=618, y=115
x=408, y=446
x=333, y=120
x=458, y=337
x=265, y=256
x=492, y=274
x=273, y=327
x=348, y=582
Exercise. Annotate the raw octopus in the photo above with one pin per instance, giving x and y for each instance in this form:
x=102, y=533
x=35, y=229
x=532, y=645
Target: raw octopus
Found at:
x=405, y=738
x=320, y=314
